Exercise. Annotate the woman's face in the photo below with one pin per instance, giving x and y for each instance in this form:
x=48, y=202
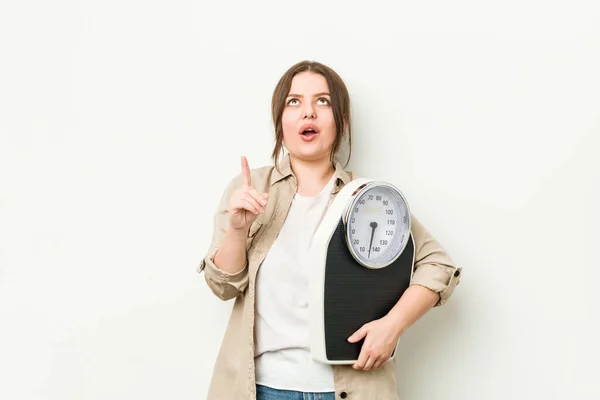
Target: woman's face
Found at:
x=308, y=125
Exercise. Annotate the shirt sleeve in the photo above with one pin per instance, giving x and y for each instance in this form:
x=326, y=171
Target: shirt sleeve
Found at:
x=433, y=267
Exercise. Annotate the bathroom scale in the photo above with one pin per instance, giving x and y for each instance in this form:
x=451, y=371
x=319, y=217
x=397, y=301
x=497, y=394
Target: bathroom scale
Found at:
x=362, y=258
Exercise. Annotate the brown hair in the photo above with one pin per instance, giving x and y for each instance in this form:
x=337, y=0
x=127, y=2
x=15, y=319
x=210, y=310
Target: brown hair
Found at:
x=340, y=102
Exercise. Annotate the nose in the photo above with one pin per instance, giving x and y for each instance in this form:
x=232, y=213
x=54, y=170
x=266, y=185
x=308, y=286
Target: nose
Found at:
x=309, y=112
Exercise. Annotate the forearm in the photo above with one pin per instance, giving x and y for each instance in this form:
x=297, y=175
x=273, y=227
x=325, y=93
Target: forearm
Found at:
x=413, y=304
x=231, y=256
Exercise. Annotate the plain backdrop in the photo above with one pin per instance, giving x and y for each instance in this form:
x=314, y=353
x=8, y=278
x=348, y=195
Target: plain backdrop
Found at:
x=122, y=121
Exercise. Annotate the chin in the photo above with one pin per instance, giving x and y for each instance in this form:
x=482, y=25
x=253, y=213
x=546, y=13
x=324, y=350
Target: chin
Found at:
x=309, y=155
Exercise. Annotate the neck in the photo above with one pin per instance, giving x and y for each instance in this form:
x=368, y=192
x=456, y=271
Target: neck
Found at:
x=311, y=175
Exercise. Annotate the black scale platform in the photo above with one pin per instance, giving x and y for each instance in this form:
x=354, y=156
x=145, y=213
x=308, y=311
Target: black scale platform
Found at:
x=355, y=295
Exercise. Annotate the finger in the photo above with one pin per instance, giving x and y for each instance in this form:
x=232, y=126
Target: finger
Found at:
x=246, y=172
x=358, y=335
x=257, y=196
x=370, y=362
x=362, y=359
x=250, y=204
x=379, y=362
x=244, y=203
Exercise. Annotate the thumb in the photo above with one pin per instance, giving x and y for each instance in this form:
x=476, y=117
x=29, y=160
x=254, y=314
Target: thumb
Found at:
x=358, y=335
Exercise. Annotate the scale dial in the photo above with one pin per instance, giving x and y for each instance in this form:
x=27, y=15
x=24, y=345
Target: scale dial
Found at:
x=377, y=225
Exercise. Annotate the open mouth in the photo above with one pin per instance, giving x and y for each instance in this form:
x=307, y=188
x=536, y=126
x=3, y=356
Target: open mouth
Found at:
x=308, y=131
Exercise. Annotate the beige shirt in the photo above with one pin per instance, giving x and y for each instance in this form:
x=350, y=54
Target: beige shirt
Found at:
x=234, y=375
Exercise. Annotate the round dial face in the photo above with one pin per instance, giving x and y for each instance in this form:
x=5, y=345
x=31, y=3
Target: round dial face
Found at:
x=378, y=225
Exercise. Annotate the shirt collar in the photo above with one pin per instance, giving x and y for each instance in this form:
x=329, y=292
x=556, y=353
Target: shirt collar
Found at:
x=284, y=170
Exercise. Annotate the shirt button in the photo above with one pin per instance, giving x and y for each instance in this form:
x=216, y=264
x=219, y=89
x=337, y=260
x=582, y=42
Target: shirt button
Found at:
x=343, y=395
x=456, y=273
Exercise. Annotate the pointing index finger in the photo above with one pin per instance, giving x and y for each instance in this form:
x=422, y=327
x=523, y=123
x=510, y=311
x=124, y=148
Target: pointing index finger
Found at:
x=246, y=172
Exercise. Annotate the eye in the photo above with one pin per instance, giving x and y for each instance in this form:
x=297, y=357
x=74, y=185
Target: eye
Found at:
x=292, y=102
x=323, y=101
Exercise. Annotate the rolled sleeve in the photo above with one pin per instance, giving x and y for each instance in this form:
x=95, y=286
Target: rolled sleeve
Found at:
x=223, y=284
x=433, y=267
x=438, y=279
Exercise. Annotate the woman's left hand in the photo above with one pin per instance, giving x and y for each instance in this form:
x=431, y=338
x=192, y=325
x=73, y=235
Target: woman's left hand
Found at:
x=381, y=337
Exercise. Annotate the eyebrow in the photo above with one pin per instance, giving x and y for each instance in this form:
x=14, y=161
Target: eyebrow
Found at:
x=316, y=95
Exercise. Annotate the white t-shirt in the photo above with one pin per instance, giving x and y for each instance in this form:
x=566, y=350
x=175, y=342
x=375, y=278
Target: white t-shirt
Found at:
x=283, y=359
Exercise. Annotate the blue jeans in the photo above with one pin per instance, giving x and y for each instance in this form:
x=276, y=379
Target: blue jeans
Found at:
x=267, y=393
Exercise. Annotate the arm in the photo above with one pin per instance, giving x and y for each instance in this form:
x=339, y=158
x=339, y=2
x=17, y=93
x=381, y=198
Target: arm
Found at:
x=231, y=255
x=434, y=269
x=226, y=263
x=434, y=279
x=414, y=303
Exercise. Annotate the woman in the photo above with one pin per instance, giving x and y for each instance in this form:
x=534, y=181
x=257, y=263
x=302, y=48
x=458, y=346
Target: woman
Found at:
x=262, y=230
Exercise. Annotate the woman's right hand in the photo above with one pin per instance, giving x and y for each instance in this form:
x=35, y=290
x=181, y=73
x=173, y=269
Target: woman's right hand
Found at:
x=246, y=203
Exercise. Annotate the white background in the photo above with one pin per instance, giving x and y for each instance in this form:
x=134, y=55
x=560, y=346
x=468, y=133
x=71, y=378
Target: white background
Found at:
x=122, y=121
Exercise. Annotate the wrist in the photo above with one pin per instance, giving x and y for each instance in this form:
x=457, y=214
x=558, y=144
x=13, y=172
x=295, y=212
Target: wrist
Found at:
x=397, y=323
x=237, y=234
